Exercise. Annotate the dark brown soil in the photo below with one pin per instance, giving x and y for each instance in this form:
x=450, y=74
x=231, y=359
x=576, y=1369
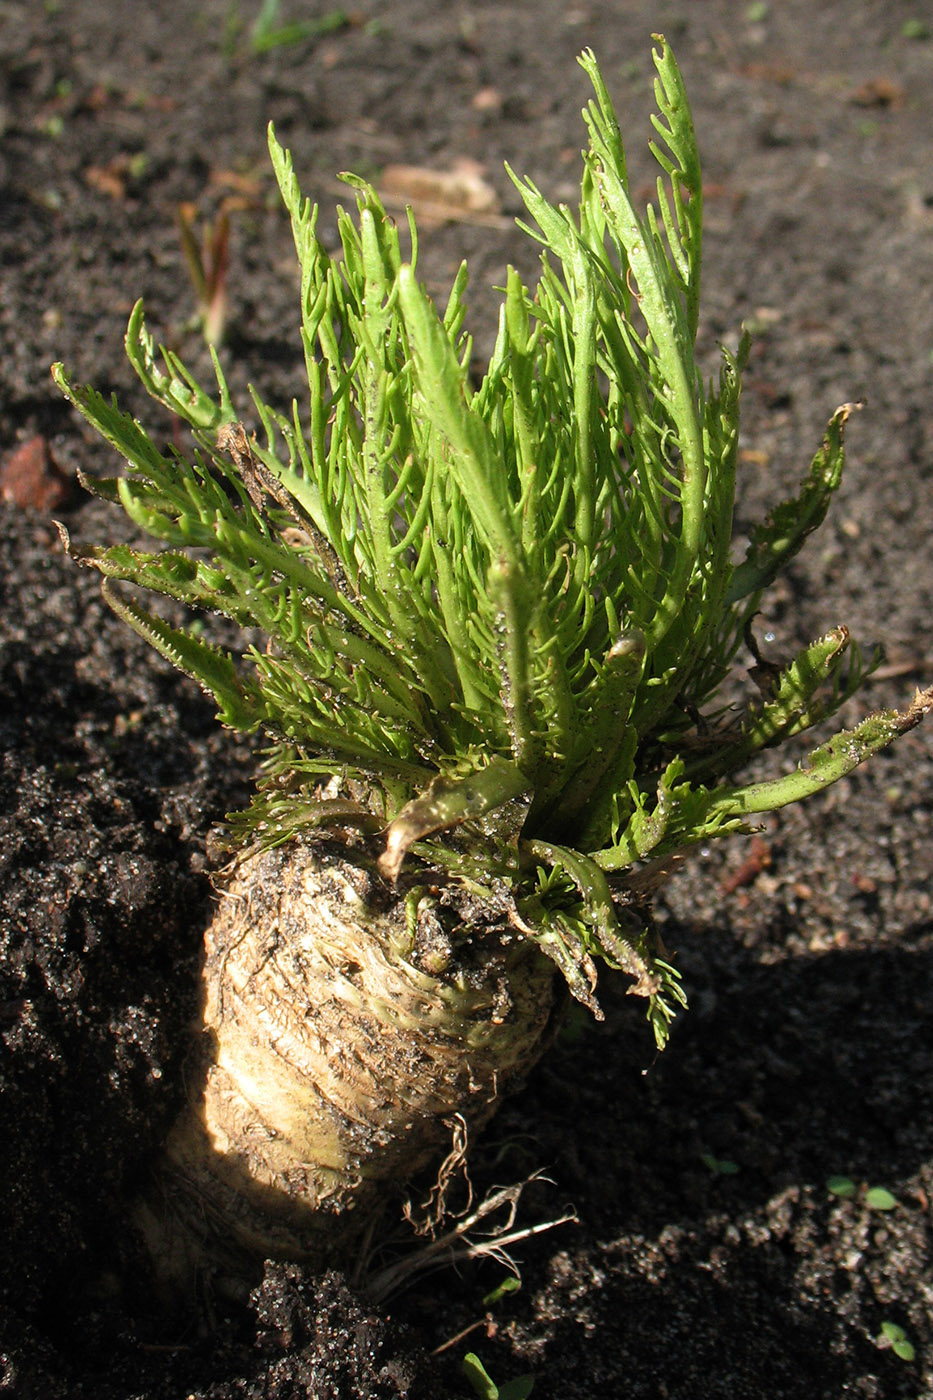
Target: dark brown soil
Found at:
x=807, y=1050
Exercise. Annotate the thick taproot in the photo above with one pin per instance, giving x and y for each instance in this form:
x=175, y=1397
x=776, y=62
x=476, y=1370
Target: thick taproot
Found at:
x=329, y=1064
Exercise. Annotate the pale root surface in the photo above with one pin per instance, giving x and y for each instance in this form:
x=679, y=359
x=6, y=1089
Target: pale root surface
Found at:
x=329, y=1066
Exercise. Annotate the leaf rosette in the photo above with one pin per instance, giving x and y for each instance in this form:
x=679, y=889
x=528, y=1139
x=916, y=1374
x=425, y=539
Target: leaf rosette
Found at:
x=503, y=614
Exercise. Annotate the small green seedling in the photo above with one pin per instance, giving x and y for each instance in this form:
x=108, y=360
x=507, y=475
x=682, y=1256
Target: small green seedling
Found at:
x=719, y=1166
x=510, y=1284
x=876, y=1197
x=486, y=1388
x=894, y=1337
x=879, y=1198
x=207, y=259
x=267, y=32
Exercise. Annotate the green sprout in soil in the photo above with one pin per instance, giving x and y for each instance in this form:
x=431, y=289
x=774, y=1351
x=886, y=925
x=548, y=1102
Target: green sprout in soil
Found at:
x=893, y=1336
x=489, y=631
x=207, y=260
x=719, y=1166
x=268, y=31
x=485, y=1387
x=880, y=1198
x=875, y=1197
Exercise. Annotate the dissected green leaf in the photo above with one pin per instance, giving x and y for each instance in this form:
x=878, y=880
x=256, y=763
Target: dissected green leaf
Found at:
x=238, y=705
x=800, y=696
x=778, y=539
x=826, y=764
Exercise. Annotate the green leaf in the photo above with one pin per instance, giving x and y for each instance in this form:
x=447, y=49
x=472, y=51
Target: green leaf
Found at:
x=879, y=1198
x=479, y=1377
x=519, y=1388
x=719, y=1166
x=486, y=1389
x=794, y=704
x=896, y=1337
x=681, y=816
x=119, y=429
x=239, y=704
x=841, y=1186
x=177, y=388
x=776, y=541
x=266, y=34
x=510, y=1284
x=440, y=384
x=682, y=209
x=447, y=803
x=602, y=756
x=826, y=764
x=612, y=941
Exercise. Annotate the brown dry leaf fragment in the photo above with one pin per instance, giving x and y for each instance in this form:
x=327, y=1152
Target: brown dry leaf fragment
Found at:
x=100, y=97
x=459, y=194
x=245, y=186
x=487, y=99
x=108, y=179
x=780, y=73
x=878, y=92
x=31, y=478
